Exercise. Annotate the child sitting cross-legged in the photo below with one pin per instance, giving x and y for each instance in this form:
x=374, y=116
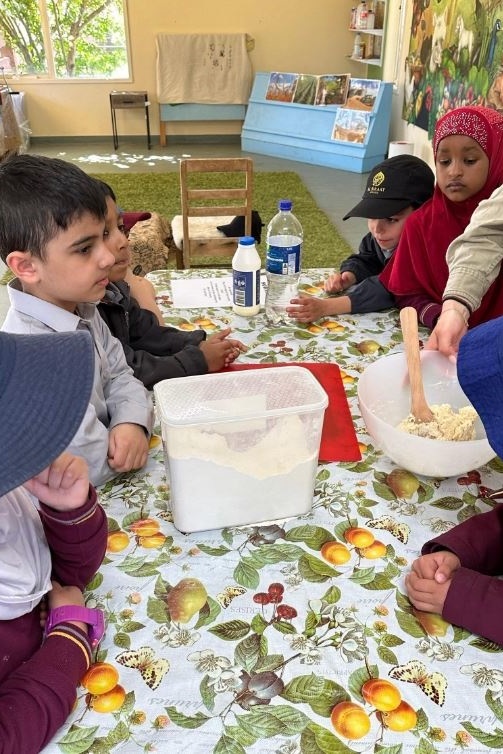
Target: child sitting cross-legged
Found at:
x=395, y=188
x=154, y=352
x=53, y=535
x=51, y=236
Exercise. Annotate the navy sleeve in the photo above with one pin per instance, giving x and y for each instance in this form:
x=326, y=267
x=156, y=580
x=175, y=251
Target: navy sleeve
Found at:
x=156, y=352
x=369, y=296
x=368, y=262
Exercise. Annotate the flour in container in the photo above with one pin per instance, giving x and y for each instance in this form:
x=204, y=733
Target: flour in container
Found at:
x=260, y=460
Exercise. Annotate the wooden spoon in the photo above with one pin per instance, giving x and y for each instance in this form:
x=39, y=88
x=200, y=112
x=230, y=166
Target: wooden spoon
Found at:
x=418, y=406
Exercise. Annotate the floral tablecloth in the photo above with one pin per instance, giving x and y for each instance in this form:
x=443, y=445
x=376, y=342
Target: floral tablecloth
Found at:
x=264, y=639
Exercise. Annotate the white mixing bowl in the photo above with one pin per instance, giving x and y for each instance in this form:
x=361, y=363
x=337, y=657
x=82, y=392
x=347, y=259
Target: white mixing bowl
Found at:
x=384, y=398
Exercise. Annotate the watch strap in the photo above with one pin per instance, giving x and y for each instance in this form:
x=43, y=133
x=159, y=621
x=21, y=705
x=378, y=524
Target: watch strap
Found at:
x=94, y=618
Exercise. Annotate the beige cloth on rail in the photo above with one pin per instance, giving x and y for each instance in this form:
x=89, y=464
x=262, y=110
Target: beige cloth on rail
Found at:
x=203, y=68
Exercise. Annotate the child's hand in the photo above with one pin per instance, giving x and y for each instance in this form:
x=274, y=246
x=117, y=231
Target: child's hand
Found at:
x=127, y=447
x=219, y=350
x=450, y=328
x=338, y=282
x=436, y=565
x=64, y=485
x=60, y=596
x=307, y=308
x=429, y=580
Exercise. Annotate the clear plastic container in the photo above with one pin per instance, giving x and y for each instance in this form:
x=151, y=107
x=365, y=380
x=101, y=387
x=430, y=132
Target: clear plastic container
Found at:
x=241, y=447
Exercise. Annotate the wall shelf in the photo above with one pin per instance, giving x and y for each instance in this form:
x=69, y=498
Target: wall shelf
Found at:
x=373, y=39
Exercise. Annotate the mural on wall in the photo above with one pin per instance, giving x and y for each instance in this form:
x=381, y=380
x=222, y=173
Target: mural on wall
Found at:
x=455, y=59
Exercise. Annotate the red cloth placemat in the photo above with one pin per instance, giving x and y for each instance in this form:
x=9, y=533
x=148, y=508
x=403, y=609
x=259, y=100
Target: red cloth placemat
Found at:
x=338, y=437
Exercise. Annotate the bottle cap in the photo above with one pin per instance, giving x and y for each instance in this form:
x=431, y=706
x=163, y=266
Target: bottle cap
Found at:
x=247, y=241
x=285, y=204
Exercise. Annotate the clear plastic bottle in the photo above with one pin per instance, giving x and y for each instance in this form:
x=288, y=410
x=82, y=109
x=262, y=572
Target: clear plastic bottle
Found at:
x=246, y=278
x=357, y=46
x=361, y=15
x=283, y=265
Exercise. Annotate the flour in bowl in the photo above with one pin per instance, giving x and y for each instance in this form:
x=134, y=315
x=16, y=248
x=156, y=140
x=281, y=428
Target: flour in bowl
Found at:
x=448, y=424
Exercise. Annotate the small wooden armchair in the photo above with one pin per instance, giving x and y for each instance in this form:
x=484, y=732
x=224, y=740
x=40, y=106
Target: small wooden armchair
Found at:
x=205, y=208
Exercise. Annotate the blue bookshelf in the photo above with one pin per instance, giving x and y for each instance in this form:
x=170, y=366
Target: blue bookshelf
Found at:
x=303, y=132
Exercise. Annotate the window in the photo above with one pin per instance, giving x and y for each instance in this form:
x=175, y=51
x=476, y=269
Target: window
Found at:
x=75, y=39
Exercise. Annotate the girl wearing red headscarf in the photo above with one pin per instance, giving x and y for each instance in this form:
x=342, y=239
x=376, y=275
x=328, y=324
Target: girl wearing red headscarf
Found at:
x=468, y=151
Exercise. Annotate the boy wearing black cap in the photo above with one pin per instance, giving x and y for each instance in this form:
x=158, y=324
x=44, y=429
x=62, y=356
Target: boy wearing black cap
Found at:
x=53, y=535
x=395, y=188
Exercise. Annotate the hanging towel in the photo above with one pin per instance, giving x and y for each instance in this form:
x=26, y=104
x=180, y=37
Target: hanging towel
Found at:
x=203, y=68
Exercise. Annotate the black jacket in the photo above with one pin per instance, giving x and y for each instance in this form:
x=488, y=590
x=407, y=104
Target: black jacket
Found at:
x=153, y=351
x=368, y=294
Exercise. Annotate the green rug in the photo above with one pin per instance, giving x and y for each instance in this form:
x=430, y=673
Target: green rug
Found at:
x=160, y=192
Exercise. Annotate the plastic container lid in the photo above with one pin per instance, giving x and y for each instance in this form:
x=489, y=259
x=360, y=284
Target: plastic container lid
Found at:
x=285, y=204
x=240, y=395
x=247, y=241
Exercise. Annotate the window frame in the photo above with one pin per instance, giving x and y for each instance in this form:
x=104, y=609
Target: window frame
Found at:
x=50, y=76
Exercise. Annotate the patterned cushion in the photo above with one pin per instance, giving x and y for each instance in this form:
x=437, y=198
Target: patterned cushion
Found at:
x=151, y=242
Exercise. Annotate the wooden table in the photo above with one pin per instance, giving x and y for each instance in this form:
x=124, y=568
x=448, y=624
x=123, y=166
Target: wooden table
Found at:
x=286, y=634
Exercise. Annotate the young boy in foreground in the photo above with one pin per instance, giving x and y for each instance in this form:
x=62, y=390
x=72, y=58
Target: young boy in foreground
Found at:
x=51, y=236
x=52, y=532
x=154, y=352
x=459, y=573
x=395, y=188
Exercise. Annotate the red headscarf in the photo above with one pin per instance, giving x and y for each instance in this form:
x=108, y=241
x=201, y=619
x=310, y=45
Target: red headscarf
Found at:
x=418, y=266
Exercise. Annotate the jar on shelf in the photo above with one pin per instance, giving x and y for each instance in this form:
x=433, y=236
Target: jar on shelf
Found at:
x=370, y=19
x=357, y=46
x=352, y=23
x=379, y=6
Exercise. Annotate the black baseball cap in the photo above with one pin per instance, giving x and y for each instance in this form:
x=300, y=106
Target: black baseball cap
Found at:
x=393, y=185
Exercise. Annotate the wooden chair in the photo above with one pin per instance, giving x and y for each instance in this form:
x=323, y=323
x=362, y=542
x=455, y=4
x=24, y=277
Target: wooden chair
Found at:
x=205, y=208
